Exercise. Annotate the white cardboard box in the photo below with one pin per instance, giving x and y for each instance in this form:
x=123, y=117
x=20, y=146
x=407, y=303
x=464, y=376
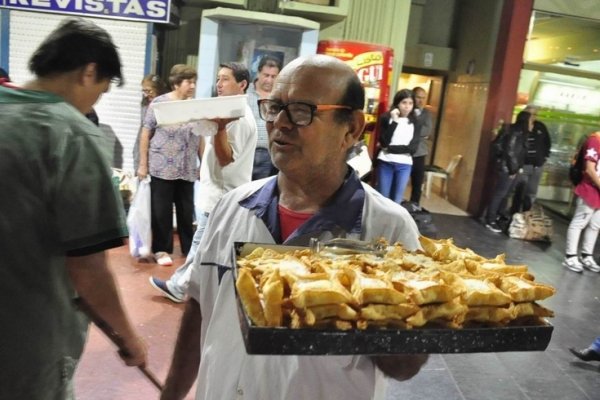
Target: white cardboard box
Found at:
x=181, y=111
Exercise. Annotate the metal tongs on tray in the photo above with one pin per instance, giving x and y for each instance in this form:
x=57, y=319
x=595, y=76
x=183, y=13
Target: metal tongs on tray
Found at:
x=344, y=247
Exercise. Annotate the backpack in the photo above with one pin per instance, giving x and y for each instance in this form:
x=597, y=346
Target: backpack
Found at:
x=578, y=162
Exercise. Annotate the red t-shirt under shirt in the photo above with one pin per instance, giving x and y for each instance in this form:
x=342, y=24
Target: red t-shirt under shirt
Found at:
x=290, y=220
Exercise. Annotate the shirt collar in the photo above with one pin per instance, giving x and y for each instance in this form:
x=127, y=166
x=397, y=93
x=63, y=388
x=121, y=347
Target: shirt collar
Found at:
x=343, y=213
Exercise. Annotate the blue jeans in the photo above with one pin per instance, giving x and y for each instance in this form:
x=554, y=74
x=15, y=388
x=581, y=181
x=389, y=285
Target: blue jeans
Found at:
x=180, y=280
x=392, y=179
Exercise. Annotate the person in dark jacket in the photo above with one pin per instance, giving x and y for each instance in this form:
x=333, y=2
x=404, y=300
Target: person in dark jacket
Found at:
x=398, y=141
x=509, y=149
x=538, y=150
x=425, y=123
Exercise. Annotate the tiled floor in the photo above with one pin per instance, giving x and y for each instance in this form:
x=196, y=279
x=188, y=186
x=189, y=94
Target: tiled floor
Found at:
x=101, y=374
x=552, y=374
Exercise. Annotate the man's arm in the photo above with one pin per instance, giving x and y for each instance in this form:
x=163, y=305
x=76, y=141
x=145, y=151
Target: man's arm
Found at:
x=95, y=284
x=223, y=149
x=401, y=367
x=186, y=357
x=426, y=124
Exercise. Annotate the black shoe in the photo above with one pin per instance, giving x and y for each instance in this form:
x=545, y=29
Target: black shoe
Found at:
x=494, y=227
x=586, y=354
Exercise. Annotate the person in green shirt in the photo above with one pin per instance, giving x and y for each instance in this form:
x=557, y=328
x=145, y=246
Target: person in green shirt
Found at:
x=59, y=213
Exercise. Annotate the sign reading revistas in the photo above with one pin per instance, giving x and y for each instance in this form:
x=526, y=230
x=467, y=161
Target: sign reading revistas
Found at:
x=138, y=10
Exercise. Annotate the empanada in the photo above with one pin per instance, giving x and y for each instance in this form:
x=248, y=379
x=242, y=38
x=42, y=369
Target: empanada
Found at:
x=246, y=287
x=521, y=290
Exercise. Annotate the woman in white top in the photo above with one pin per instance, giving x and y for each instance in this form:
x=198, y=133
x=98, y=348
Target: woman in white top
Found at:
x=398, y=140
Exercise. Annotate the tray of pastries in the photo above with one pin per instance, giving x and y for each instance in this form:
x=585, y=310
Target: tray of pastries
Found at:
x=347, y=297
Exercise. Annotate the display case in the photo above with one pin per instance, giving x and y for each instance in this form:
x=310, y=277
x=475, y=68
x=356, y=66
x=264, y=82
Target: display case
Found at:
x=570, y=109
x=567, y=131
x=244, y=36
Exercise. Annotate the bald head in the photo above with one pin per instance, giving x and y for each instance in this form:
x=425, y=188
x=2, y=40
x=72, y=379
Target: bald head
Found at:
x=310, y=88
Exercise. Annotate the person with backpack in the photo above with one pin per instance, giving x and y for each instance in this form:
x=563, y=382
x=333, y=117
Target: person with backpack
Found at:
x=586, y=218
x=509, y=150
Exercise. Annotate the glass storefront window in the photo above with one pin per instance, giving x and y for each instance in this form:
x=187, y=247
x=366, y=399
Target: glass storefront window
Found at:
x=561, y=75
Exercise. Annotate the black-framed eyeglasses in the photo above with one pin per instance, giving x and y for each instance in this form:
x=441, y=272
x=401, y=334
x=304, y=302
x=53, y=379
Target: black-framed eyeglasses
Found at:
x=298, y=112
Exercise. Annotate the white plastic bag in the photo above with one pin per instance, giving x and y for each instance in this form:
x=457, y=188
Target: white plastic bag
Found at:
x=138, y=221
x=360, y=160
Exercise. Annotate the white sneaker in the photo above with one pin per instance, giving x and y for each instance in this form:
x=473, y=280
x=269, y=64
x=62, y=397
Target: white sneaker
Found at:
x=589, y=263
x=163, y=258
x=573, y=264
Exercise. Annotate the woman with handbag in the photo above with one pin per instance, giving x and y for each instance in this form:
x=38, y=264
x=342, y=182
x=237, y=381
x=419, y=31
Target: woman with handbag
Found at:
x=170, y=154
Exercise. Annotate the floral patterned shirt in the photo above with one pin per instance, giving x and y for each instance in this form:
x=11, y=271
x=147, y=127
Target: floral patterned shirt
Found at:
x=173, y=150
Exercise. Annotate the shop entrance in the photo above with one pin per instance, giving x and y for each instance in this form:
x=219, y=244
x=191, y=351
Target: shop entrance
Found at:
x=561, y=75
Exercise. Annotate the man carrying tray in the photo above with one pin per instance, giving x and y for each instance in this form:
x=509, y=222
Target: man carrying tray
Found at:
x=314, y=117
x=226, y=164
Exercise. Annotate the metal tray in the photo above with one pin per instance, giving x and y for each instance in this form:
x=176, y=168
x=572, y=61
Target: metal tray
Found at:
x=286, y=341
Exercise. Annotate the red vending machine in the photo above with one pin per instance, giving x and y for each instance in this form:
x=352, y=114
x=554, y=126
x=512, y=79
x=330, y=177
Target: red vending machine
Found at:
x=373, y=65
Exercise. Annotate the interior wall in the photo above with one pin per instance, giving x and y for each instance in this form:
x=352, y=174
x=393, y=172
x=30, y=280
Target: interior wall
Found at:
x=384, y=22
x=180, y=46
x=437, y=22
x=467, y=93
x=477, y=32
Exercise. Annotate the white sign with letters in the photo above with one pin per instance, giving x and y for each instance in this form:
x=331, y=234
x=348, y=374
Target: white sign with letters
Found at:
x=139, y=10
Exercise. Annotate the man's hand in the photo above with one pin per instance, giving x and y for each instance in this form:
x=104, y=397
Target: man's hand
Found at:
x=401, y=367
x=134, y=352
x=222, y=122
x=95, y=284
